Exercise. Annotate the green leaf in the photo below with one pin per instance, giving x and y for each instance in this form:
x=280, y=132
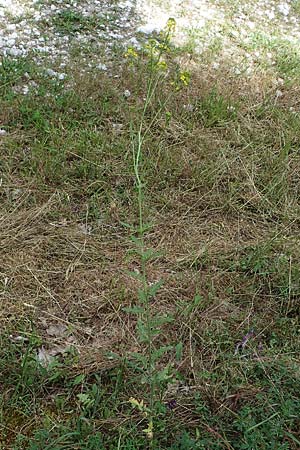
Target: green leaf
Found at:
x=137, y=275
x=127, y=225
x=79, y=379
x=142, y=331
x=178, y=349
x=161, y=320
x=146, y=227
x=154, y=332
x=149, y=254
x=168, y=116
x=112, y=355
x=136, y=240
x=154, y=288
x=157, y=354
x=197, y=299
x=85, y=399
x=163, y=375
x=95, y=389
x=139, y=357
x=143, y=296
x=134, y=310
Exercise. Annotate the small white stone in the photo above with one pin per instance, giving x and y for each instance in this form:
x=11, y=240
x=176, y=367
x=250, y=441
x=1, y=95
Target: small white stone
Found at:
x=284, y=8
x=15, y=193
x=11, y=27
x=127, y=93
x=101, y=66
x=51, y=73
x=133, y=41
x=14, y=51
x=189, y=107
x=10, y=42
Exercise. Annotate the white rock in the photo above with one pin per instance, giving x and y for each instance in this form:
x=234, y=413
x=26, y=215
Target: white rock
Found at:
x=51, y=73
x=44, y=357
x=57, y=330
x=284, y=8
x=14, y=51
x=101, y=66
x=270, y=15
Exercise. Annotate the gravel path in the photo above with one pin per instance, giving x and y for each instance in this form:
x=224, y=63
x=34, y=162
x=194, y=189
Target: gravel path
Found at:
x=53, y=31
x=57, y=33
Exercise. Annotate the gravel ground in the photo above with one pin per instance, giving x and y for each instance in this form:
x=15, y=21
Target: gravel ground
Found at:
x=50, y=31
x=57, y=33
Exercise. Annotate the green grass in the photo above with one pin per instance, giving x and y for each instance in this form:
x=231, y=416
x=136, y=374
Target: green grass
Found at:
x=70, y=22
x=296, y=6
x=221, y=190
x=285, y=54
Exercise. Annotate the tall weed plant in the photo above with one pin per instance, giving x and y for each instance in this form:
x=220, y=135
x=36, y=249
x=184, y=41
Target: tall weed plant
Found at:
x=149, y=362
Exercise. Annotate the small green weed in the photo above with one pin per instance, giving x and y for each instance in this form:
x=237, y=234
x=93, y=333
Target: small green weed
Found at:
x=12, y=71
x=295, y=4
x=215, y=110
x=70, y=22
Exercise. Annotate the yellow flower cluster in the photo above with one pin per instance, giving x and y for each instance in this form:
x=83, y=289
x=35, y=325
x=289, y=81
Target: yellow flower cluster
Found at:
x=155, y=51
x=184, y=78
x=131, y=53
x=162, y=65
x=171, y=24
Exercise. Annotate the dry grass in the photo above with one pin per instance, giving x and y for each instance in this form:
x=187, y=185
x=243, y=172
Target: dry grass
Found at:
x=216, y=193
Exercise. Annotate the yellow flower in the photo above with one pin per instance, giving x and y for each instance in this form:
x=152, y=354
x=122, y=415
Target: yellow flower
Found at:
x=182, y=80
x=184, y=77
x=162, y=65
x=131, y=53
x=171, y=24
x=163, y=46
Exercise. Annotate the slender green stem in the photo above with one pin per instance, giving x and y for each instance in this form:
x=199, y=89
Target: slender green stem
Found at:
x=142, y=241
x=138, y=139
x=137, y=155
